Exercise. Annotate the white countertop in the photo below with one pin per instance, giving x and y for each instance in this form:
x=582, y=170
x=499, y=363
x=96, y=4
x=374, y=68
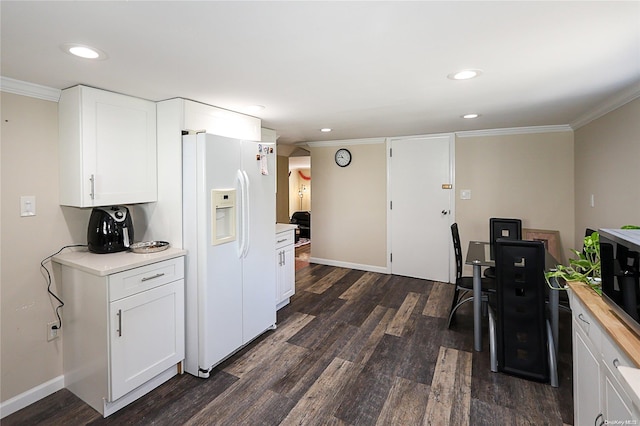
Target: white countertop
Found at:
x=111, y=263
x=282, y=227
x=631, y=383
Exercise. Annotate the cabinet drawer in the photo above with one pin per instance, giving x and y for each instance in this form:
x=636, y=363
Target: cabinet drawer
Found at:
x=587, y=323
x=135, y=280
x=612, y=357
x=285, y=238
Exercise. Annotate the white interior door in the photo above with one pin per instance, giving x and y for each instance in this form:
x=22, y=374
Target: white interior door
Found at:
x=421, y=203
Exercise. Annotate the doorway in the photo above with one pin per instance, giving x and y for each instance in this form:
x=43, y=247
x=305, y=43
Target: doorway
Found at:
x=300, y=196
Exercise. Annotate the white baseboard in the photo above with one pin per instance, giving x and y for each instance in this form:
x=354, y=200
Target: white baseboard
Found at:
x=26, y=398
x=360, y=267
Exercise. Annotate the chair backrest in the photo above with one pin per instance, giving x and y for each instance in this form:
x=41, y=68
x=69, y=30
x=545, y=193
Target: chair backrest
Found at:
x=457, y=249
x=520, y=286
x=503, y=228
x=301, y=218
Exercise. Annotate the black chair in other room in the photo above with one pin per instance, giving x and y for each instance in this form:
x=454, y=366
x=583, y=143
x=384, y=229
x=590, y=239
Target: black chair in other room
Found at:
x=501, y=228
x=303, y=220
x=464, y=285
x=520, y=336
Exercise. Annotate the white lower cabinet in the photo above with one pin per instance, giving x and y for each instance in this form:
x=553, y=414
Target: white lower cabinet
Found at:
x=123, y=333
x=598, y=396
x=285, y=267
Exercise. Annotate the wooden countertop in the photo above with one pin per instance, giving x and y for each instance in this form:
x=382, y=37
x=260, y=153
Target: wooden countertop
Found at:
x=624, y=337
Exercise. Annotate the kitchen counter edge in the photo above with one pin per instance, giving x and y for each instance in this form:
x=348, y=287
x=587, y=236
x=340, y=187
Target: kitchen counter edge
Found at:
x=283, y=227
x=623, y=336
x=111, y=263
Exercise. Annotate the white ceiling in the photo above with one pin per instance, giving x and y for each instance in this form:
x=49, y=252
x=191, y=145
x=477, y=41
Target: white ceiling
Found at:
x=365, y=69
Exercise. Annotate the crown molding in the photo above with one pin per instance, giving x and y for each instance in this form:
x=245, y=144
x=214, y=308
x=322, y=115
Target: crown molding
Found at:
x=345, y=142
x=612, y=103
x=514, y=131
x=18, y=87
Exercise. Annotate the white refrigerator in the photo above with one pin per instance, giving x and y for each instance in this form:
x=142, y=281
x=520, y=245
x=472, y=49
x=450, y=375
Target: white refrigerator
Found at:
x=229, y=234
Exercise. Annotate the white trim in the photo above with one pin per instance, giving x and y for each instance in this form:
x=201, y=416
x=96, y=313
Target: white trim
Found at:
x=368, y=141
x=514, y=131
x=358, y=266
x=388, y=206
x=427, y=135
x=612, y=103
x=24, y=88
x=30, y=396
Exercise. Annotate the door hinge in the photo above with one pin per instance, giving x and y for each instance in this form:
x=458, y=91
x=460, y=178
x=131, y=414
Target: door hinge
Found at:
x=390, y=205
x=391, y=257
x=390, y=152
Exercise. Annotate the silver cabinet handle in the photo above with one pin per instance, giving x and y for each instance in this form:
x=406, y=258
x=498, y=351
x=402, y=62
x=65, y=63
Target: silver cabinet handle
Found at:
x=92, y=194
x=581, y=317
x=153, y=277
x=281, y=241
x=596, y=420
x=119, y=330
x=284, y=259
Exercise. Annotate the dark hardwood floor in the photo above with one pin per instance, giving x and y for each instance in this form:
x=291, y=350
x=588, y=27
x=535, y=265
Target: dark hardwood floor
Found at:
x=352, y=348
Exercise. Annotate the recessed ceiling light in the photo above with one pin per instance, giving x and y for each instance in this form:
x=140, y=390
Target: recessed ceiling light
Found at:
x=83, y=51
x=464, y=74
x=325, y=129
x=471, y=116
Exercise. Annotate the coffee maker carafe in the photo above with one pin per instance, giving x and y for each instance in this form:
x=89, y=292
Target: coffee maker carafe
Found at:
x=110, y=229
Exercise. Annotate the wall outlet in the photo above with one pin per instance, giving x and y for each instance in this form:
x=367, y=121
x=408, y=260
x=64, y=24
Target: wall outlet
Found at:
x=52, y=333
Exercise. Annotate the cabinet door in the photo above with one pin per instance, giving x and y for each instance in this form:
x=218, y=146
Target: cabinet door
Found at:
x=146, y=336
x=285, y=273
x=616, y=410
x=288, y=281
x=107, y=148
x=119, y=140
x=586, y=380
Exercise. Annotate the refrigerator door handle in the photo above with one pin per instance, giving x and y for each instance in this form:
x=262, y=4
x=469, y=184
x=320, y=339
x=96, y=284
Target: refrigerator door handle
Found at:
x=247, y=212
x=241, y=240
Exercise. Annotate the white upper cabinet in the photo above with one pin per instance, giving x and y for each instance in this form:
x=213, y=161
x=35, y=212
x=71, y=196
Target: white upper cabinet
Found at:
x=107, y=148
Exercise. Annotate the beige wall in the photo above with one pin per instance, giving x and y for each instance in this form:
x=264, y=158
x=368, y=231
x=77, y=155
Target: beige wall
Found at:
x=607, y=157
x=282, y=190
x=29, y=167
x=349, y=222
x=527, y=176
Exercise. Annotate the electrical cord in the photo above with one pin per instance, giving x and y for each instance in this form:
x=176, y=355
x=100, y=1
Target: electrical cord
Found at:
x=48, y=277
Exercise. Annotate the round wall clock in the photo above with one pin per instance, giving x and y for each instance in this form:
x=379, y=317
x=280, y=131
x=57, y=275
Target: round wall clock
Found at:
x=343, y=157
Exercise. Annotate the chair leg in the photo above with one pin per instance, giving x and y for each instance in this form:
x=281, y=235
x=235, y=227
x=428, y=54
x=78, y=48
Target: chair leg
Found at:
x=455, y=308
x=553, y=364
x=454, y=301
x=492, y=340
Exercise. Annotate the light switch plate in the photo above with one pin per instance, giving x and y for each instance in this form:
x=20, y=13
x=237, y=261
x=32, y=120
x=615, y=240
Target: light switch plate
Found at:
x=27, y=205
x=465, y=194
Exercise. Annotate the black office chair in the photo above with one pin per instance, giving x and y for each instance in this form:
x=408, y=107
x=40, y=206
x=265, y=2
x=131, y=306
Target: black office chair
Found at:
x=464, y=284
x=501, y=228
x=520, y=336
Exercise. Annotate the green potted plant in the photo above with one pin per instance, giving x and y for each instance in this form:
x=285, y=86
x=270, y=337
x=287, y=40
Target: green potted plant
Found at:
x=586, y=268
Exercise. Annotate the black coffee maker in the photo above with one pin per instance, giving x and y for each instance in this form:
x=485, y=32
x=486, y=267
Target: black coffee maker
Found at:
x=110, y=229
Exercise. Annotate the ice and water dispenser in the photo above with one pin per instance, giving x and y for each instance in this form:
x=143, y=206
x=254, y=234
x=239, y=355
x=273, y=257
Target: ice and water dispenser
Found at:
x=224, y=216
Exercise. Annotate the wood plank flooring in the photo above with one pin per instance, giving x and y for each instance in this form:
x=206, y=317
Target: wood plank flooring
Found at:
x=352, y=348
